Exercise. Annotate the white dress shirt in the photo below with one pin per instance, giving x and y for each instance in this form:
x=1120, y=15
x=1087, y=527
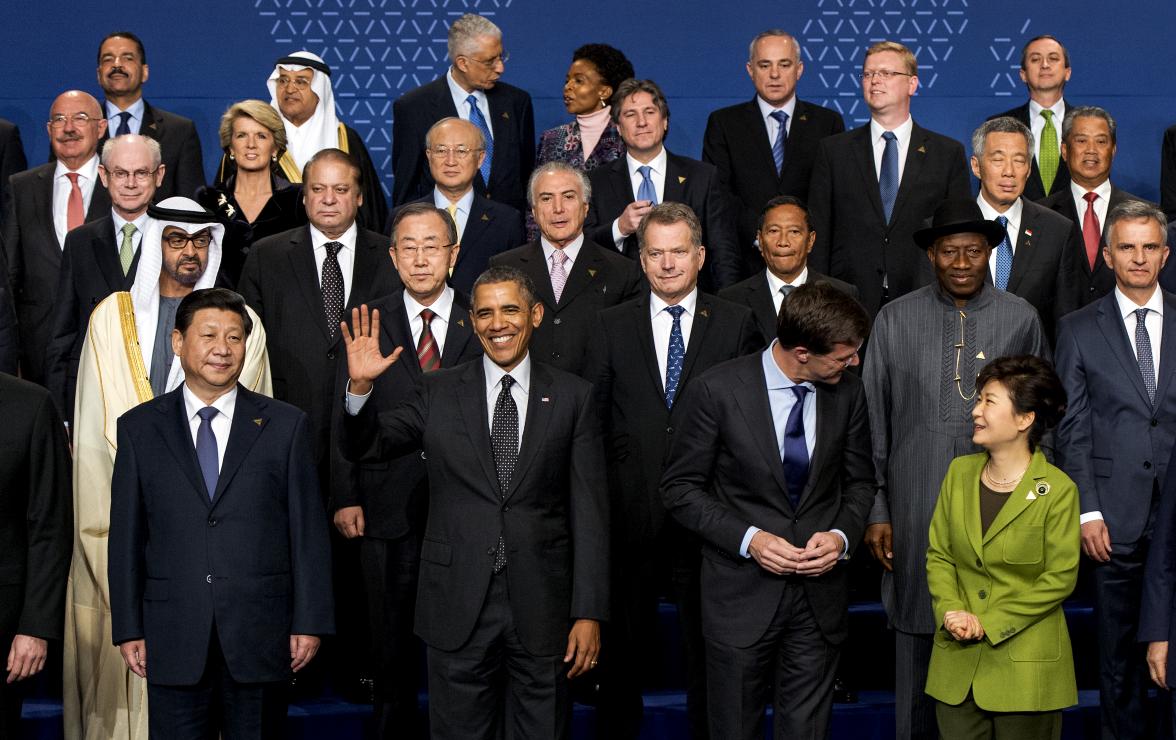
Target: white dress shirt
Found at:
x=442, y=307
x=519, y=391
x=87, y=177
x=461, y=208
x=773, y=126
x=663, y=324
x=657, y=174
x=1101, y=203
x=346, y=255
x=463, y=108
x=137, y=238
x=221, y=423
x=1037, y=124
x=1013, y=214
x=572, y=251
x=775, y=284
x=903, y=135
x=134, y=123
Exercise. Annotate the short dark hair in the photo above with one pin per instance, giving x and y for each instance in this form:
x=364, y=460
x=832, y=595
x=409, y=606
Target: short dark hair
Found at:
x=129, y=37
x=1033, y=386
x=817, y=316
x=506, y=274
x=334, y=155
x=1044, y=37
x=424, y=209
x=610, y=62
x=220, y=298
x=783, y=200
x=632, y=87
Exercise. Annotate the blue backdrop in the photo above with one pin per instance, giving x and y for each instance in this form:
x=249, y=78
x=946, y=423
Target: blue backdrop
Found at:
x=205, y=54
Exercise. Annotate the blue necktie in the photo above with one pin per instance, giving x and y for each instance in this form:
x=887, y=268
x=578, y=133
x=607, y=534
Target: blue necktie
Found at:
x=646, y=191
x=479, y=120
x=888, y=180
x=206, y=449
x=778, y=145
x=1143, y=353
x=675, y=355
x=796, y=457
x=124, y=126
x=1004, y=256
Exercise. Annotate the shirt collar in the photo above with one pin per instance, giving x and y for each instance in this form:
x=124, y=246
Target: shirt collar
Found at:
x=902, y=132
x=1058, y=108
x=88, y=171
x=442, y=307
x=571, y=250
x=459, y=93
x=766, y=109
x=140, y=223
x=657, y=164
x=1128, y=306
x=494, y=373
x=318, y=238
x=775, y=283
x=774, y=376
x=225, y=404
x=657, y=305
x=1103, y=190
x=463, y=204
x=1013, y=214
x=135, y=109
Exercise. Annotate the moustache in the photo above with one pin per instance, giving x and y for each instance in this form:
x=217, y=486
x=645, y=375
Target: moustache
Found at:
x=189, y=261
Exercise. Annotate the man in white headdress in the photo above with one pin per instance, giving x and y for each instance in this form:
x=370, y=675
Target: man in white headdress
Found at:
x=126, y=360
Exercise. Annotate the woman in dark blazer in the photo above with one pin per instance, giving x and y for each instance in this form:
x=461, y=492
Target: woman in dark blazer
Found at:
x=254, y=201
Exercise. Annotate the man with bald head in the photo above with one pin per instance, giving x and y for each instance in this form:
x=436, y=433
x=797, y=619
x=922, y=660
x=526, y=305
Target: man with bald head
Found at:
x=46, y=203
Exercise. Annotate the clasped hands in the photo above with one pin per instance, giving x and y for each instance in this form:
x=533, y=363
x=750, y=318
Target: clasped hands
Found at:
x=777, y=555
x=963, y=625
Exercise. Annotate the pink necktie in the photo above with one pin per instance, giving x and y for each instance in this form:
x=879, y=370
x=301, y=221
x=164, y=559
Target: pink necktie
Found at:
x=559, y=276
x=75, y=212
x=1091, y=232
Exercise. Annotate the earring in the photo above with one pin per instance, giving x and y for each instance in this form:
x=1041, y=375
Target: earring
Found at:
x=273, y=158
x=602, y=104
x=232, y=156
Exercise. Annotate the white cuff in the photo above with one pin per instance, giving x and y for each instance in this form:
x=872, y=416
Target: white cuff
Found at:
x=353, y=403
x=1090, y=516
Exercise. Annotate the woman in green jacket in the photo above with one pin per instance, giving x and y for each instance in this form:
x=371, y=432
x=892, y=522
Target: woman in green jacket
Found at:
x=1004, y=551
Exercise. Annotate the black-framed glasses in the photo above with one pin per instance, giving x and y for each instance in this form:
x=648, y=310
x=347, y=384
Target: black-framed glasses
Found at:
x=883, y=74
x=79, y=119
x=178, y=241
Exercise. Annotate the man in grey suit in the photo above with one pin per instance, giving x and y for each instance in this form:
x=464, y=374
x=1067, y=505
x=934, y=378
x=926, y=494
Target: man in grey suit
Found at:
x=926, y=350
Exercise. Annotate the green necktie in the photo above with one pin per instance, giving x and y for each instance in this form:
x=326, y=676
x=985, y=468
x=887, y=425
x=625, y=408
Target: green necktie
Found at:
x=1047, y=159
x=126, y=250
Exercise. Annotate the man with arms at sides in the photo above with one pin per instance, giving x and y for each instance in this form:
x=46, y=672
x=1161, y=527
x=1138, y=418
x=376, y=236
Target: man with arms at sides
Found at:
x=515, y=554
x=574, y=277
x=925, y=352
x=122, y=70
x=455, y=150
x=1115, y=358
x=1088, y=147
x=127, y=359
x=648, y=174
x=771, y=467
x=384, y=504
x=1037, y=258
x=471, y=90
x=1045, y=70
x=219, y=560
x=100, y=257
x=766, y=147
x=12, y=160
x=46, y=203
x=874, y=186
x=36, y=522
x=785, y=237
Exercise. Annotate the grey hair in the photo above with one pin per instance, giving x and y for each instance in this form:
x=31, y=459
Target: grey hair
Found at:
x=1086, y=111
x=151, y=144
x=771, y=33
x=465, y=30
x=429, y=134
x=1002, y=125
x=1135, y=210
x=550, y=167
x=668, y=214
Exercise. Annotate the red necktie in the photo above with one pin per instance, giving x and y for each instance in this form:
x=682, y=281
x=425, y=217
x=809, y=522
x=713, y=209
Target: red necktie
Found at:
x=75, y=212
x=427, y=355
x=1091, y=232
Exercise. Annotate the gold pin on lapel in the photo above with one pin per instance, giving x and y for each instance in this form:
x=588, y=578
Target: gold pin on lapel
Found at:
x=506, y=114
x=258, y=421
x=922, y=150
x=705, y=312
x=681, y=179
x=485, y=217
x=461, y=322
x=591, y=272
x=804, y=118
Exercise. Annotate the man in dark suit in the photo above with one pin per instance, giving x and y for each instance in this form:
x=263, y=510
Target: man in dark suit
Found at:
x=12, y=160
x=122, y=70
x=455, y=150
x=384, y=503
x=47, y=202
x=771, y=466
x=471, y=90
x=766, y=147
x=626, y=188
x=1115, y=442
x=647, y=351
x=515, y=555
x=1038, y=259
x=36, y=537
x=102, y=256
x=1045, y=70
x=1088, y=147
x=9, y=335
x=219, y=560
x=574, y=278
x=785, y=237
x=874, y=186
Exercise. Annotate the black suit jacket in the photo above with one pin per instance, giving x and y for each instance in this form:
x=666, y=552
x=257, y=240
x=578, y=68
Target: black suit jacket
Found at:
x=36, y=512
x=599, y=278
x=9, y=331
x=1168, y=173
x=724, y=475
x=688, y=181
x=34, y=259
x=554, y=516
x=1101, y=280
x=253, y=560
x=756, y=294
x=736, y=142
x=280, y=281
x=854, y=242
x=1034, y=187
x=630, y=393
x=12, y=160
x=393, y=493
x=512, y=122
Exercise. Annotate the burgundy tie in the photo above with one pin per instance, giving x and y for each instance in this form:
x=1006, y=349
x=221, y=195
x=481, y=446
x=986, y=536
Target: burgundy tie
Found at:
x=1091, y=232
x=427, y=355
x=75, y=212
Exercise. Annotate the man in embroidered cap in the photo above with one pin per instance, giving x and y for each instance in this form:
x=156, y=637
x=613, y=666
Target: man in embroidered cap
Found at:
x=127, y=359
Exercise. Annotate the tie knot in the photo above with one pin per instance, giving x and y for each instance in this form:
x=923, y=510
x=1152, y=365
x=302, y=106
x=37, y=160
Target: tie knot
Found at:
x=558, y=257
x=1141, y=314
x=73, y=177
x=786, y=289
x=507, y=382
x=125, y=116
x=1047, y=114
x=779, y=116
x=1003, y=220
x=427, y=316
x=676, y=311
x=207, y=413
x=645, y=170
x=128, y=230
x=333, y=248
x=889, y=136
x=800, y=392
x=1090, y=197
x=472, y=100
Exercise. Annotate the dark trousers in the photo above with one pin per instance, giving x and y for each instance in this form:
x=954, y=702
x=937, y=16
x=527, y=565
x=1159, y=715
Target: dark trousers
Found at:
x=217, y=706
x=492, y=685
x=969, y=722
x=794, y=657
x=390, y=578
x=914, y=711
x=1122, y=677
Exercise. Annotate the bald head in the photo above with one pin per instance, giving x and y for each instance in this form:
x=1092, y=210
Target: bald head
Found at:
x=75, y=126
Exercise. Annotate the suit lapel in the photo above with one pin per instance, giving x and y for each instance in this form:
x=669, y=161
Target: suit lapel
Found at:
x=1167, y=349
x=249, y=420
x=618, y=176
x=99, y=202
x=702, y=321
x=752, y=398
x=177, y=437
x=644, y=336
x=44, y=204
x=151, y=125
x=762, y=303
x=863, y=152
x=972, y=524
x=915, y=160
x=1020, y=499
x=472, y=402
x=106, y=255
x=458, y=335
x=363, y=274
x=398, y=333
x=1115, y=334
x=674, y=189
x=306, y=276
x=828, y=424
x=476, y=225
x=586, y=268
x=535, y=266
x=540, y=399
x=1025, y=254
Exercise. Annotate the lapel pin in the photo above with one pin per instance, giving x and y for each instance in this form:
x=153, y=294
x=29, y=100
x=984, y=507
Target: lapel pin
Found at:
x=922, y=150
x=1030, y=497
x=258, y=421
x=980, y=355
x=591, y=272
x=1042, y=488
x=506, y=114
x=461, y=322
x=1028, y=232
x=485, y=217
x=545, y=399
x=705, y=313
x=804, y=118
x=681, y=179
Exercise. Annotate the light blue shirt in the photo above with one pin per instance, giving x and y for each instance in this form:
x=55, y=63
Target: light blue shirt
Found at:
x=134, y=123
x=463, y=108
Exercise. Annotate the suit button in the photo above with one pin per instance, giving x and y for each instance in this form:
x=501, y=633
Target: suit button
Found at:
x=557, y=322
x=1155, y=422
x=506, y=508
x=330, y=355
x=1146, y=465
x=424, y=456
x=489, y=551
x=555, y=355
x=979, y=563
x=208, y=578
x=983, y=594
x=669, y=430
x=885, y=240
x=211, y=522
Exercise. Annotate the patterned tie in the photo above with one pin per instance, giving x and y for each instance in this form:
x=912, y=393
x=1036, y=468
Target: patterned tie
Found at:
x=1143, y=353
x=124, y=126
x=559, y=276
x=1004, y=256
x=452, y=212
x=206, y=449
x=75, y=212
x=1047, y=158
x=795, y=456
x=479, y=120
x=126, y=250
x=428, y=357
x=504, y=444
x=888, y=179
x=781, y=134
x=1091, y=231
x=646, y=190
x=332, y=286
x=674, y=355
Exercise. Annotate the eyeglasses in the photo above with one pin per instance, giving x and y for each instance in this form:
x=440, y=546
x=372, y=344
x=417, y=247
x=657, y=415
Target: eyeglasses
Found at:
x=493, y=61
x=200, y=240
x=883, y=74
x=139, y=175
x=843, y=361
x=429, y=250
x=443, y=152
x=299, y=82
x=79, y=119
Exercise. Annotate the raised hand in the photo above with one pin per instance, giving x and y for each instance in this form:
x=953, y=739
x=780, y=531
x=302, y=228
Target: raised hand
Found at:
x=365, y=362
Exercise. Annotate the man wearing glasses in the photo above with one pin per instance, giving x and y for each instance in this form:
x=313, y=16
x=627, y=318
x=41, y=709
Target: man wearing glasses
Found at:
x=470, y=90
